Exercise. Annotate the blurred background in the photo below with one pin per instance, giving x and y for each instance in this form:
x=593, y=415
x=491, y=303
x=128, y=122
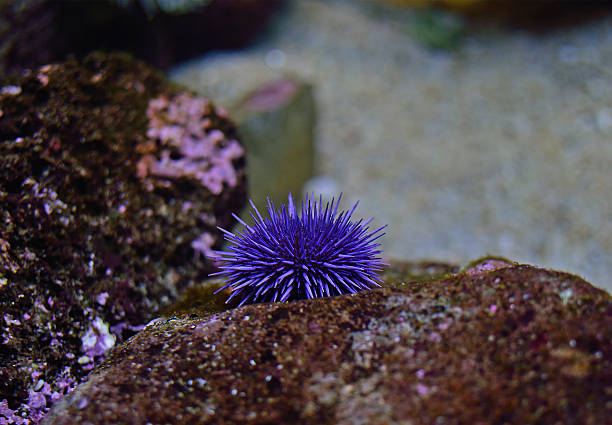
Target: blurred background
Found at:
x=469, y=127
x=467, y=133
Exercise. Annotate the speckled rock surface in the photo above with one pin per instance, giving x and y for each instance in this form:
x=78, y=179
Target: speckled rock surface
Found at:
x=499, y=146
x=98, y=229
x=504, y=343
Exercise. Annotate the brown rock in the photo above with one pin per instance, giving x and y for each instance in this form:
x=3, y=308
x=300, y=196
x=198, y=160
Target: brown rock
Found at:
x=538, y=16
x=515, y=345
x=112, y=181
x=35, y=32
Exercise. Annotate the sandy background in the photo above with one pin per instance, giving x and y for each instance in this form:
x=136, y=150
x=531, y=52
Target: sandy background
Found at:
x=502, y=146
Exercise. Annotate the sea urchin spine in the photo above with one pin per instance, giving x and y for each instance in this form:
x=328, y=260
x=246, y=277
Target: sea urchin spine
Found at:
x=287, y=256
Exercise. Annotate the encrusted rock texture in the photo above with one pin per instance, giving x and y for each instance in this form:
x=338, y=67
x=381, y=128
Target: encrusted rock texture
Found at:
x=112, y=183
x=499, y=343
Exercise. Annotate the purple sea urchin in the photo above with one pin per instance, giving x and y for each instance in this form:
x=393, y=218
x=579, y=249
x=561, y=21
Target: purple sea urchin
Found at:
x=287, y=256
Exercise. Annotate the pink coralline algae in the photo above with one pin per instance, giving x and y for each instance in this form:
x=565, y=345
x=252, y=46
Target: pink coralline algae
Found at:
x=485, y=265
x=204, y=244
x=97, y=340
x=189, y=144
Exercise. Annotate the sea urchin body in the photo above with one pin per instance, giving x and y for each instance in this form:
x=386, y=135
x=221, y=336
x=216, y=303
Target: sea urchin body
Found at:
x=290, y=256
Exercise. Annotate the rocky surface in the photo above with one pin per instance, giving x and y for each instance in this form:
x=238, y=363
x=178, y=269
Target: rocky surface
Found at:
x=501, y=145
x=496, y=343
x=112, y=181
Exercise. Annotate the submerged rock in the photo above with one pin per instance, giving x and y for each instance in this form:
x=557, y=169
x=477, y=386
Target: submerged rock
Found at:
x=112, y=182
x=496, y=343
x=35, y=32
x=538, y=15
x=276, y=123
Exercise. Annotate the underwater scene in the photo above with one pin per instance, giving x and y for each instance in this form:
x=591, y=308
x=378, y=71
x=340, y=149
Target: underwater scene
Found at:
x=305, y=212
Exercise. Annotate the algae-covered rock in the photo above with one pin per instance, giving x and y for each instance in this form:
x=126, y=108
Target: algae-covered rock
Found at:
x=496, y=343
x=112, y=182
